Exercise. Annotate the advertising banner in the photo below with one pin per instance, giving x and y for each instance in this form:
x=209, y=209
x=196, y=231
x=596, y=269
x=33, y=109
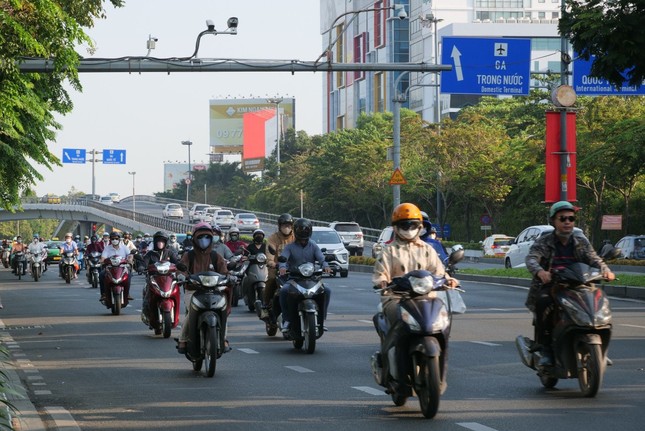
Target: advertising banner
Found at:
x=554, y=180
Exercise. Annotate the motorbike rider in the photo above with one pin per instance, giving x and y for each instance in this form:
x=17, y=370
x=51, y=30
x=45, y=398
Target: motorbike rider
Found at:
x=407, y=252
x=160, y=252
x=67, y=246
x=429, y=235
x=36, y=247
x=106, y=239
x=137, y=241
x=559, y=248
x=300, y=251
x=188, y=241
x=257, y=245
x=202, y=257
x=95, y=245
x=127, y=241
x=276, y=242
x=115, y=248
x=18, y=246
x=234, y=242
x=219, y=246
x=173, y=243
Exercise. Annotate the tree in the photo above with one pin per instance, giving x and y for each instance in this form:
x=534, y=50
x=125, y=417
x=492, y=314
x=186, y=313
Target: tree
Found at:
x=44, y=29
x=613, y=31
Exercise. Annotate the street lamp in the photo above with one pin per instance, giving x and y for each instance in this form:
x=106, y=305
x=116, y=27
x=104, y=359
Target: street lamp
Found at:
x=189, y=179
x=276, y=101
x=427, y=21
x=134, y=199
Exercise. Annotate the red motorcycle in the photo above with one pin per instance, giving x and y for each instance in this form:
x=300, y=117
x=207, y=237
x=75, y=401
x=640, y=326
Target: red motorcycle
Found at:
x=117, y=284
x=162, y=301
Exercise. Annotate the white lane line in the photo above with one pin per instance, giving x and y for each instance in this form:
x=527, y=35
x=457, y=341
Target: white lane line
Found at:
x=632, y=326
x=42, y=392
x=369, y=390
x=474, y=426
x=366, y=321
x=484, y=343
x=299, y=369
x=249, y=351
x=62, y=418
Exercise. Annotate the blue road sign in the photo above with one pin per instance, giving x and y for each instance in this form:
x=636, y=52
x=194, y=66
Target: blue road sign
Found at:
x=114, y=157
x=73, y=155
x=586, y=85
x=486, y=66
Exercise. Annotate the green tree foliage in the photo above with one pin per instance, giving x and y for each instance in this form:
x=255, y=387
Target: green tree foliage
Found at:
x=43, y=29
x=613, y=31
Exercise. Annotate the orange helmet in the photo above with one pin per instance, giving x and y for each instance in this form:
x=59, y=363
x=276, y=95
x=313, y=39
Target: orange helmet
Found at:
x=406, y=211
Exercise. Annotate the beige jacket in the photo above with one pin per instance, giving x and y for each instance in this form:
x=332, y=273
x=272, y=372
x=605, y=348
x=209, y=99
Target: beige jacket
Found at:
x=400, y=257
x=277, y=241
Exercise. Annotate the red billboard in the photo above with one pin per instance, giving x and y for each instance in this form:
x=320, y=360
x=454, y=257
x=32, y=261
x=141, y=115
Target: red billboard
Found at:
x=555, y=180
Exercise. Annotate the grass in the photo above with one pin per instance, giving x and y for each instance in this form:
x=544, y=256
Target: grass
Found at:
x=622, y=279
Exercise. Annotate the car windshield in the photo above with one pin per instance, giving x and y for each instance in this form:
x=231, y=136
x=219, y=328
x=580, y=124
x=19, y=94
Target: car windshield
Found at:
x=224, y=214
x=503, y=241
x=325, y=237
x=173, y=206
x=347, y=228
x=249, y=216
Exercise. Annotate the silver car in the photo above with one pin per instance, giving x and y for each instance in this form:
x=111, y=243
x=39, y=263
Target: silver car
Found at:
x=246, y=222
x=329, y=240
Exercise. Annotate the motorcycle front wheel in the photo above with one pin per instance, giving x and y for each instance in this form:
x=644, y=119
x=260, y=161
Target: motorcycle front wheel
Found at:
x=591, y=368
x=116, y=304
x=427, y=384
x=95, y=281
x=166, y=324
x=35, y=272
x=68, y=275
x=209, y=341
x=310, y=333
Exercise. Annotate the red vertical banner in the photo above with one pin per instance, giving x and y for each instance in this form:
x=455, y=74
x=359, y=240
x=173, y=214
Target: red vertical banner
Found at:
x=554, y=180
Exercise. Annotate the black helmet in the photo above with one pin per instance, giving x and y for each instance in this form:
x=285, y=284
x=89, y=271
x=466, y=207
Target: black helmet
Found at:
x=302, y=228
x=285, y=219
x=160, y=235
x=258, y=233
x=94, y=238
x=115, y=235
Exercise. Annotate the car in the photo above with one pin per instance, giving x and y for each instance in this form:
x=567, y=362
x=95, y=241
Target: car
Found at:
x=53, y=251
x=519, y=248
x=172, y=211
x=329, y=240
x=632, y=247
x=246, y=222
x=106, y=200
x=352, y=236
x=115, y=197
x=223, y=218
x=497, y=245
x=197, y=212
x=385, y=237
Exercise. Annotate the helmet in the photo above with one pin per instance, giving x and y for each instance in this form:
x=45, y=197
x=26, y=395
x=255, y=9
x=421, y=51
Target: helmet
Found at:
x=406, y=211
x=115, y=235
x=561, y=206
x=160, y=235
x=233, y=230
x=285, y=219
x=203, y=227
x=36, y=236
x=189, y=233
x=127, y=234
x=94, y=238
x=106, y=234
x=77, y=237
x=68, y=235
x=258, y=232
x=302, y=228
x=426, y=221
x=173, y=236
x=217, y=230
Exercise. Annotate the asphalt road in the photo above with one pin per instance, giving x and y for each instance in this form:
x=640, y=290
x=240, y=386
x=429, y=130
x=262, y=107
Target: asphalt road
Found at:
x=111, y=373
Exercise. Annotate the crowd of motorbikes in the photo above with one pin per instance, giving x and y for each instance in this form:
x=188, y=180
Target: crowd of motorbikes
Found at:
x=414, y=345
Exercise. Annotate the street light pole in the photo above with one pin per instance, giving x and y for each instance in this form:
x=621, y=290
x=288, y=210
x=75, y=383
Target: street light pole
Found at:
x=276, y=101
x=134, y=199
x=189, y=179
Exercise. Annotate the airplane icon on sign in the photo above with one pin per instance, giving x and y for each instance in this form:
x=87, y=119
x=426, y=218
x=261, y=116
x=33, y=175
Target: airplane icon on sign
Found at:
x=501, y=49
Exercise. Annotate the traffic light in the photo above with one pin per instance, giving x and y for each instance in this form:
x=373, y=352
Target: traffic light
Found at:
x=93, y=227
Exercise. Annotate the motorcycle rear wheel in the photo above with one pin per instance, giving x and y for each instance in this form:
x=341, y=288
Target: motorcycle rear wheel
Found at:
x=428, y=384
x=310, y=333
x=591, y=368
x=210, y=341
x=95, y=282
x=166, y=324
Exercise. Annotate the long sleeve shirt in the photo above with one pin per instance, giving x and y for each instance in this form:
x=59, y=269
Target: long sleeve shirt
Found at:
x=298, y=254
x=400, y=257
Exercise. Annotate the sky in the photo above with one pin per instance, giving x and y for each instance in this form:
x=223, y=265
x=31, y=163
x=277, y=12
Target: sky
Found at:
x=149, y=114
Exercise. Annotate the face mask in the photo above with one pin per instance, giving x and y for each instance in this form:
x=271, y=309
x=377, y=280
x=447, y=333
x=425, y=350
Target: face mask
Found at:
x=203, y=243
x=147, y=239
x=68, y=240
x=161, y=245
x=215, y=238
x=173, y=240
x=258, y=239
x=19, y=241
x=115, y=242
x=408, y=234
x=286, y=230
x=234, y=237
x=423, y=232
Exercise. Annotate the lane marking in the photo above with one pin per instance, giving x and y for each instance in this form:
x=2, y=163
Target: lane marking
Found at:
x=365, y=321
x=632, y=326
x=62, y=418
x=484, y=343
x=299, y=369
x=42, y=392
x=249, y=351
x=369, y=390
x=475, y=426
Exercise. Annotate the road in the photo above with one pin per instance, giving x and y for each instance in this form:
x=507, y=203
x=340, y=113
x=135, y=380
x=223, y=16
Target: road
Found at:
x=111, y=373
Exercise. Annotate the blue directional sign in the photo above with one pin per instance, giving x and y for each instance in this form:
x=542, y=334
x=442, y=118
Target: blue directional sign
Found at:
x=586, y=85
x=114, y=157
x=73, y=155
x=486, y=66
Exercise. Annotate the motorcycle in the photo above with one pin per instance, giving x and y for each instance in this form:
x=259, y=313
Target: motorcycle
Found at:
x=416, y=343
x=20, y=264
x=36, y=264
x=207, y=320
x=93, y=268
x=69, y=266
x=305, y=286
x=117, y=281
x=254, y=277
x=236, y=266
x=6, y=257
x=580, y=335
x=161, y=305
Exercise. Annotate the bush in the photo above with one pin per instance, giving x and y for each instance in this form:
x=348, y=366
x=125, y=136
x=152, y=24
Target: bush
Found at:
x=361, y=260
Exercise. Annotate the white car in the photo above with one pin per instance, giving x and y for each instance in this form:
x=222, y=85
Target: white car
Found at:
x=223, y=218
x=106, y=200
x=246, y=222
x=497, y=245
x=632, y=247
x=329, y=240
x=518, y=250
x=172, y=211
x=196, y=213
x=115, y=197
x=352, y=236
x=385, y=237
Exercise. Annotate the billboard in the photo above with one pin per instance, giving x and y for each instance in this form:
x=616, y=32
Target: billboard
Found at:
x=226, y=120
x=174, y=173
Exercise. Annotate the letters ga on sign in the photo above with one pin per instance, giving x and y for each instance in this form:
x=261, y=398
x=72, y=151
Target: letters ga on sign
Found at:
x=612, y=222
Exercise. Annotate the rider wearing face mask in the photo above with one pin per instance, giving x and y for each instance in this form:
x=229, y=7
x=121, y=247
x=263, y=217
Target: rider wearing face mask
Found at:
x=218, y=244
x=257, y=245
x=18, y=246
x=160, y=252
x=234, y=242
x=67, y=246
x=201, y=258
x=114, y=248
x=275, y=244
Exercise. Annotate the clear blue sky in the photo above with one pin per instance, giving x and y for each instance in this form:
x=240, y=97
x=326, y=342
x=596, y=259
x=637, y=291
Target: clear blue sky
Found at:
x=149, y=114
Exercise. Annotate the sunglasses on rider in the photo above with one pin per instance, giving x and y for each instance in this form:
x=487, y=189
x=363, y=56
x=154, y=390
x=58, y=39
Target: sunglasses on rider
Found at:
x=408, y=224
x=565, y=218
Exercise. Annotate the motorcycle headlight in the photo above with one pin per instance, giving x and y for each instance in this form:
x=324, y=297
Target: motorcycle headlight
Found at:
x=261, y=258
x=443, y=320
x=306, y=269
x=162, y=267
x=115, y=260
x=603, y=315
x=208, y=280
x=422, y=285
x=410, y=321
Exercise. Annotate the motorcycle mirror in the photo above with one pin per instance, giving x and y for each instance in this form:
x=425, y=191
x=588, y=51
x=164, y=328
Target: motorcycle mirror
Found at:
x=182, y=267
x=610, y=253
